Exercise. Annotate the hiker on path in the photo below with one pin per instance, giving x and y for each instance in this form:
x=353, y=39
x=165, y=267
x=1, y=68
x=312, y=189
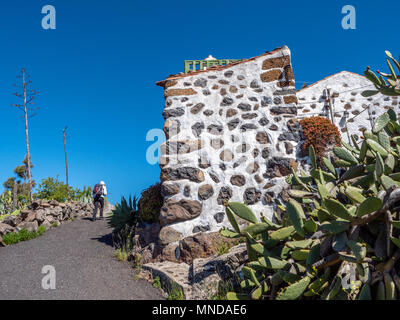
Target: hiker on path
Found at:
x=99, y=192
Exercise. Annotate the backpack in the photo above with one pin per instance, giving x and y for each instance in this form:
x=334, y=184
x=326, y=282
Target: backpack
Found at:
x=97, y=191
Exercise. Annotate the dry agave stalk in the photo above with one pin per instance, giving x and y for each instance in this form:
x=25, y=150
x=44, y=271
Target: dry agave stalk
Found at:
x=338, y=237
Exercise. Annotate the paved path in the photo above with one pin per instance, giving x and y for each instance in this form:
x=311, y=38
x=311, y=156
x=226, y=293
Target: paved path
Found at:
x=81, y=253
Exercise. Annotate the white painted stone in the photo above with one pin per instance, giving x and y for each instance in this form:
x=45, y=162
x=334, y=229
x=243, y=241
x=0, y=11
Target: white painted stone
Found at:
x=250, y=70
x=349, y=85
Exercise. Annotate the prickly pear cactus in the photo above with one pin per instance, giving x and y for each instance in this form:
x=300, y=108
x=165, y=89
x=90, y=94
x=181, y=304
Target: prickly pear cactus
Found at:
x=338, y=237
x=387, y=83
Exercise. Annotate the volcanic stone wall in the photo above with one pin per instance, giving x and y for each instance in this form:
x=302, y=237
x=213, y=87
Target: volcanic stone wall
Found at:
x=231, y=135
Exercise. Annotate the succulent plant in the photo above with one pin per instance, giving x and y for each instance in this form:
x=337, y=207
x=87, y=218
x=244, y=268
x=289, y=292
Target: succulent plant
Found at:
x=6, y=202
x=338, y=236
x=123, y=220
x=387, y=83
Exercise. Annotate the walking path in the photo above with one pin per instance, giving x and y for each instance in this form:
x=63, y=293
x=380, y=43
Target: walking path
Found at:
x=81, y=253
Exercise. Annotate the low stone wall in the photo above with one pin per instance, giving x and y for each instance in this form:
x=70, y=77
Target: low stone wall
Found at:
x=48, y=214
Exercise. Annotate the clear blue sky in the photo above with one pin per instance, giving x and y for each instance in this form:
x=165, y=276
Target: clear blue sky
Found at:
x=96, y=72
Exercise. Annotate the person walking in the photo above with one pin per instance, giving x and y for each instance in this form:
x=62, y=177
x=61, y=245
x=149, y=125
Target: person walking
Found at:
x=99, y=193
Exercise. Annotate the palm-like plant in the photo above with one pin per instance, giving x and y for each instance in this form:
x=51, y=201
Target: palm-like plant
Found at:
x=123, y=220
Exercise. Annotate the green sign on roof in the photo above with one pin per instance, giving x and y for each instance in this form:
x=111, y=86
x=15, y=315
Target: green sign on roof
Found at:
x=195, y=65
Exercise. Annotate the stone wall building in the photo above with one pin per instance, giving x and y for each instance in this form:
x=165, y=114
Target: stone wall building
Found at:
x=231, y=135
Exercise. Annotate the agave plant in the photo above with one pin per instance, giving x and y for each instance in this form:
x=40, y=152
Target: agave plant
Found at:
x=337, y=237
x=123, y=220
x=387, y=83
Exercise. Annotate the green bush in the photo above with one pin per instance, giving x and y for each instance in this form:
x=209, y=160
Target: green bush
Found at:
x=338, y=235
x=23, y=235
x=54, y=189
x=150, y=204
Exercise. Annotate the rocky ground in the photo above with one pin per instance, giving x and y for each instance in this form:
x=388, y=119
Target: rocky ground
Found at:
x=81, y=253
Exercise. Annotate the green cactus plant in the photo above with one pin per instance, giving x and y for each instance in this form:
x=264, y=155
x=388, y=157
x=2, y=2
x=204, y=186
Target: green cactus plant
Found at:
x=6, y=202
x=342, y=219
x=387, y=83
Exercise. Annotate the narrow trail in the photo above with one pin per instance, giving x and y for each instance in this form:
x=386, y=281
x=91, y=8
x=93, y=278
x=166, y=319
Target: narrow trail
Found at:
x=81, y=252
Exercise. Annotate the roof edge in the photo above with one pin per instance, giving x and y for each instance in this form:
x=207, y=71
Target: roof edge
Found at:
x=328, y=77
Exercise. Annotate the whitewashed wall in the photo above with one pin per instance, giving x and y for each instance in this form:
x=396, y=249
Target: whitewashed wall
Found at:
x=240, y=122
x=352, y=112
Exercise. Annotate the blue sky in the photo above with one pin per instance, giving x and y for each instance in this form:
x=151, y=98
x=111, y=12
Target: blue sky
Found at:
x=96, y=72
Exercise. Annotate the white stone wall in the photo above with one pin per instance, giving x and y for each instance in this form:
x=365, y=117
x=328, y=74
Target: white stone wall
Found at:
x=346, y=88
x=231, y=134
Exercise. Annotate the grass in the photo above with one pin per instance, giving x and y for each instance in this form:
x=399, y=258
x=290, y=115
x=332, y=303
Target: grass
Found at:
x=157, y=282
x=55, y=224
x=23, y=235
x=121, y=255
x=137, y=262
x=175, y=293
x=136, y=276
x=223, y=248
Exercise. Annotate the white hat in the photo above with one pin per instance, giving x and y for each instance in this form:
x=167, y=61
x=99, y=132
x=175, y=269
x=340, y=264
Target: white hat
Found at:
x=102, y=183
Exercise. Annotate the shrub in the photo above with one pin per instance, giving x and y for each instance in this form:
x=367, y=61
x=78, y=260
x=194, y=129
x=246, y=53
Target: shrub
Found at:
x=23, y=235
x=54, y=189
x=150, y=204
x=319, y=133
x=338, y=236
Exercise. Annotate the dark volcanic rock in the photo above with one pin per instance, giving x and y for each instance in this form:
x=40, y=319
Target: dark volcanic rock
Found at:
x=225, y=193
x=251, y=196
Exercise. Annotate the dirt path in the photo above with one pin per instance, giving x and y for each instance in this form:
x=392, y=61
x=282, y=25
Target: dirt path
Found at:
x=81, y=253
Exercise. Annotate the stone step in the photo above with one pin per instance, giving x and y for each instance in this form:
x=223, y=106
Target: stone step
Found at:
x=200, y=279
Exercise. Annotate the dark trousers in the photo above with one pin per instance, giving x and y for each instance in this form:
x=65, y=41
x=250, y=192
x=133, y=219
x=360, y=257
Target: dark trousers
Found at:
x=98, y=202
